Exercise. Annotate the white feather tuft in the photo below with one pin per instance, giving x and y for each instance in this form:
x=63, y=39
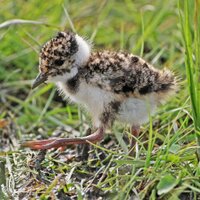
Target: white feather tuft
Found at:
x=84, y=51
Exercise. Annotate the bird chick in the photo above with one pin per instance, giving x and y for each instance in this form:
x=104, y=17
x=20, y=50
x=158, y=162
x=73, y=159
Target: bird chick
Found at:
x=110, y=85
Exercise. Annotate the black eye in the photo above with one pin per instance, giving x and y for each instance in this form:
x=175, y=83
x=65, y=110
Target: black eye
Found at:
x=59, y=62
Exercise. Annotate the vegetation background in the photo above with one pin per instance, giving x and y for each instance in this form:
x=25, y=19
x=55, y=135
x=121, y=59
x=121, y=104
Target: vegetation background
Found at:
x=166, y=162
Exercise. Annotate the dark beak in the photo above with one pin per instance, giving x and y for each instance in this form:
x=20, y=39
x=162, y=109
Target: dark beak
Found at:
x=41, y=78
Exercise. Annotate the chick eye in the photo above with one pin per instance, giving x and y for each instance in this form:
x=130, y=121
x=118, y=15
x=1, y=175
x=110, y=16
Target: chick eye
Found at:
x=59, y=62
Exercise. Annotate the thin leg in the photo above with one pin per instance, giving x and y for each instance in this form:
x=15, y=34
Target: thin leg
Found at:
x=135, y=131
x=61, y=142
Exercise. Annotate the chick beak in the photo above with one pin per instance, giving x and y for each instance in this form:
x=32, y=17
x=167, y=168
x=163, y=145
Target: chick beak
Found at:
x=41, y=78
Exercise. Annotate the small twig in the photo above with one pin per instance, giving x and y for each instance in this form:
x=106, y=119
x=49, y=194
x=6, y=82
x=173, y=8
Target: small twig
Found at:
x=2, y=177
x=22, y=21
x=69, y=19
x=38, y=166
x=40, y=157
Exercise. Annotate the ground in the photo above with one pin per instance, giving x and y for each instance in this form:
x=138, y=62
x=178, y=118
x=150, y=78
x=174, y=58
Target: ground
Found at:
x=165, y=163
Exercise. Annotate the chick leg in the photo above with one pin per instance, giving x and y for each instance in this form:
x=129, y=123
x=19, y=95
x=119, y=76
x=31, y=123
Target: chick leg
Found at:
x=61, y=142
x=135, y=131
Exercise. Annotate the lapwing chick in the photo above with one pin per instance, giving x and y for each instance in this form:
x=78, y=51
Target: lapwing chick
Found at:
x=110, y=85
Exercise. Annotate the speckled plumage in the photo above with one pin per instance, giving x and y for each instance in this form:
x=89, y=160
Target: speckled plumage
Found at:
x=126, y=74
x=111, y=85
x=58, y=51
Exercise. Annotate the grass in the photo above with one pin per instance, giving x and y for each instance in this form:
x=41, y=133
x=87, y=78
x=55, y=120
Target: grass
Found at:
x=191, y=35
x=165, y=165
